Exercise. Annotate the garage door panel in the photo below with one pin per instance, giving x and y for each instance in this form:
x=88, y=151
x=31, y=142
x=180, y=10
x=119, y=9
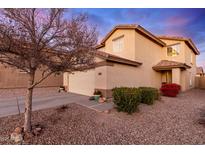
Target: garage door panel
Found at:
x=82, y=82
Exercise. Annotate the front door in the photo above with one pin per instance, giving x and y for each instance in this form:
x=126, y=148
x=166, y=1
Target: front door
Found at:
x=166, y=77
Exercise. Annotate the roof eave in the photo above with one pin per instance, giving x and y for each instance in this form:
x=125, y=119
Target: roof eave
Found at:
x=137, y=28
x=151, y=36
x=119, y=60
x=189, y=41
x=164, y=68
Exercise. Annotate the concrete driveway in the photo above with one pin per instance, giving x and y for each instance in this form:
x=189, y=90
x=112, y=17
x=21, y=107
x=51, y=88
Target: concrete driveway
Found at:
x=8, y=105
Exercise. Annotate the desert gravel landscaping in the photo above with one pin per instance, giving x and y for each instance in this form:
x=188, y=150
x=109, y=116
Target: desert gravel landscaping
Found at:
x=168, y=121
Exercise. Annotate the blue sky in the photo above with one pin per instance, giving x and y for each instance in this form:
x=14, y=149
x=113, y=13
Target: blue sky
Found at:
x=175, y=22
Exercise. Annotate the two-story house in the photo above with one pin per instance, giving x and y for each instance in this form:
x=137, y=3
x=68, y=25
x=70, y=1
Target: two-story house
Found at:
x=131, y=56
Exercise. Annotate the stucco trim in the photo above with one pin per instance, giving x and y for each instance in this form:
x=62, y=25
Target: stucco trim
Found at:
x=116, y=59
x=104, y=63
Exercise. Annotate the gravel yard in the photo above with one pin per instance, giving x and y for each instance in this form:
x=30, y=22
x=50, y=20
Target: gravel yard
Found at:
x=169, y=121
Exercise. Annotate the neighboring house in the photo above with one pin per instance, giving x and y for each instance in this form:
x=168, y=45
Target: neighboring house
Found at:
x=131, y=56
x=199, y=71
x=14, y=78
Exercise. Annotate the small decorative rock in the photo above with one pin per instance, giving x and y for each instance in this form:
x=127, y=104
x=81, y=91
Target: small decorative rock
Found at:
x=102, y=100
x=107, y=111
x=109, y=100
x=17, y=136
x=18, y=130
x=28, y=136
x=37, y=131
x=201, y=121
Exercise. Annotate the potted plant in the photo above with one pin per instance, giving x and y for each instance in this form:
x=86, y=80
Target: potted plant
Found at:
x=97, y=94
x=61, y=88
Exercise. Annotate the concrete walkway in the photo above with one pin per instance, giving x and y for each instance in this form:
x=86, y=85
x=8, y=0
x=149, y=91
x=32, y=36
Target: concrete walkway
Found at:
x=8, y=106
x=101, y=107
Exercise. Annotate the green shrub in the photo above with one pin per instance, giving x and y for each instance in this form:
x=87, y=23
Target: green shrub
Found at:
x=148, y=95
x=126, y=99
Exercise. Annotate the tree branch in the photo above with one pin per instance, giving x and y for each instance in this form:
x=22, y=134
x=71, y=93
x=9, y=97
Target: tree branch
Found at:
x=39, y=81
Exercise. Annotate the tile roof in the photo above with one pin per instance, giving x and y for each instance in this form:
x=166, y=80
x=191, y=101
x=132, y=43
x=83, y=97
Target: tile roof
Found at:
x=138, y=28
x=113, y=58
x=167, y=64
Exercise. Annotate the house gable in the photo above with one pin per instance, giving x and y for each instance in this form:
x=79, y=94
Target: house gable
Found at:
x=137, y=28
x=188, y=42
x=128, y=35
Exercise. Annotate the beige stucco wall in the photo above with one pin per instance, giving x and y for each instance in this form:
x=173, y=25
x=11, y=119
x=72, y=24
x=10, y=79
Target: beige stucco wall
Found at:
x=192, y=70
x=123, y=75
x=149, y=53
x=139, y=48
x=129, y=43
x=176, y=75
x=101, y=74
x=13, y=78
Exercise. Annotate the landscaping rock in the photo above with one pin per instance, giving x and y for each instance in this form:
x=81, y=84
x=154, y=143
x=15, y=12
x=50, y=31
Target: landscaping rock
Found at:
x=102, y=100
x=37, y=131
x=28, y=136
x=17, y=138
x=201, y=121
x=202, y=114
x=107, y=111
x=62, y=108
x=18, y=130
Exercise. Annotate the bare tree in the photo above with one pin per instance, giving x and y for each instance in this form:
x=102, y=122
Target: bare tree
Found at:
x=43, y=39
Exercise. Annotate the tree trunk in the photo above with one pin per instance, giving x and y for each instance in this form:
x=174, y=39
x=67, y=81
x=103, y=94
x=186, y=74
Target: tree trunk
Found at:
x=28, y=104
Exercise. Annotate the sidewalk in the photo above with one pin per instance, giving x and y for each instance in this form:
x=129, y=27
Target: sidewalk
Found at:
x=100, y=107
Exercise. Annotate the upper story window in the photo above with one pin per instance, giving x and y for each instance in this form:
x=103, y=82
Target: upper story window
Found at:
x=173, y=50
x=118, y=44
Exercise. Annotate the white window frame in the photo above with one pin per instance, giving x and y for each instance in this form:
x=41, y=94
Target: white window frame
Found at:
x=172, y=46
